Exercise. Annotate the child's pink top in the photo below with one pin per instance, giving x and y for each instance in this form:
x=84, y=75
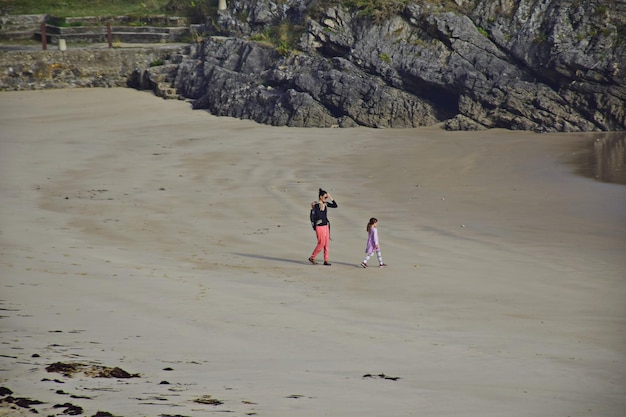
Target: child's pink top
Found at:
x=372, y=240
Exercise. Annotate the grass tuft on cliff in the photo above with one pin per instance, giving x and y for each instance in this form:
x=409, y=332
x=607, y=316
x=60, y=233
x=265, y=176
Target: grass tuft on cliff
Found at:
x=76, y=8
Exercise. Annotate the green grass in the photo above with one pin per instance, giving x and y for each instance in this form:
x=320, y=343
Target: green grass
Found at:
x=75, y=8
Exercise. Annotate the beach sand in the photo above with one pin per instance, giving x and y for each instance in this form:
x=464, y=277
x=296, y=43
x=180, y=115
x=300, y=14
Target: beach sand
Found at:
x=136, y=233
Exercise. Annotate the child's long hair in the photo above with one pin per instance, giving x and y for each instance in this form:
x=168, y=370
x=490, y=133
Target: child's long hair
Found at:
x=370, y=223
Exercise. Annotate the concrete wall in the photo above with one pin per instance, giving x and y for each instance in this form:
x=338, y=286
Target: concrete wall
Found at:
x=20, y=27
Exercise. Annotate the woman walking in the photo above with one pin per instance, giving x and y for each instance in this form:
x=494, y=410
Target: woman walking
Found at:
x=322, y=225
x=372, y=244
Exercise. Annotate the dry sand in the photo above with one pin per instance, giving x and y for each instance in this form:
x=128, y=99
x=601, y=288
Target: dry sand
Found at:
x=140, y=234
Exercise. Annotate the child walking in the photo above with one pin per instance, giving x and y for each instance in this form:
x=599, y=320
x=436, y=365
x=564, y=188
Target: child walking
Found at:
x=372, y=244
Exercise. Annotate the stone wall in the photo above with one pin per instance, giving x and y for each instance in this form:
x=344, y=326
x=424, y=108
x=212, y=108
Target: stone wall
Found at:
x=85, y=67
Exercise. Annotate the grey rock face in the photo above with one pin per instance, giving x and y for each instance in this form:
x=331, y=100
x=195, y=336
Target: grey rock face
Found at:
x=547, y=65
x=233, y=77
x=575, y=49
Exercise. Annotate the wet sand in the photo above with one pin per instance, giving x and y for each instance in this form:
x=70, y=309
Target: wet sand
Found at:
x=138, y=234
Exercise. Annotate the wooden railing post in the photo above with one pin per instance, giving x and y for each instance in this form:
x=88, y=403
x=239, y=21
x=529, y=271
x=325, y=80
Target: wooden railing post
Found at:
x=109, y=35
x=44, y=36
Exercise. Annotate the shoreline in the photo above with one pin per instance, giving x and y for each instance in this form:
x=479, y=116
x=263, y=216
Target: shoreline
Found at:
x=605, y=158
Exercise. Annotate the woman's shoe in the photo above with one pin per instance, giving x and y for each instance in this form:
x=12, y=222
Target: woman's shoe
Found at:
x=327, y=263
x=363, y=264
x=313, y=261
x=382, y=265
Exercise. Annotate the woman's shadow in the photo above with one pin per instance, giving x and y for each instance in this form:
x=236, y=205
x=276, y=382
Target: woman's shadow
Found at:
x=293, y=261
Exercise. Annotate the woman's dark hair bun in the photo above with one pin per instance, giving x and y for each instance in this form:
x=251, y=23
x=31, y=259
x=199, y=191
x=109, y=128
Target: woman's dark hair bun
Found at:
x=322, y=192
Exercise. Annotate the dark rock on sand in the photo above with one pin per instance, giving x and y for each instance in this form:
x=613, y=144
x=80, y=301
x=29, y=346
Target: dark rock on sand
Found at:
x=207, y=399
x=20, y=401
x=70, y=409
x=103, y=414
x=382, y=376
x=95, y=371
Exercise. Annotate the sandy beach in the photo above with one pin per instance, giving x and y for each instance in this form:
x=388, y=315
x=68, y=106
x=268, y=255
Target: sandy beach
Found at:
x=136, y=233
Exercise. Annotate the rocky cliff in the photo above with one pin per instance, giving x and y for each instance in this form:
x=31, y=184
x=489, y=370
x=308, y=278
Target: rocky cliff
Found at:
x=542, y=65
